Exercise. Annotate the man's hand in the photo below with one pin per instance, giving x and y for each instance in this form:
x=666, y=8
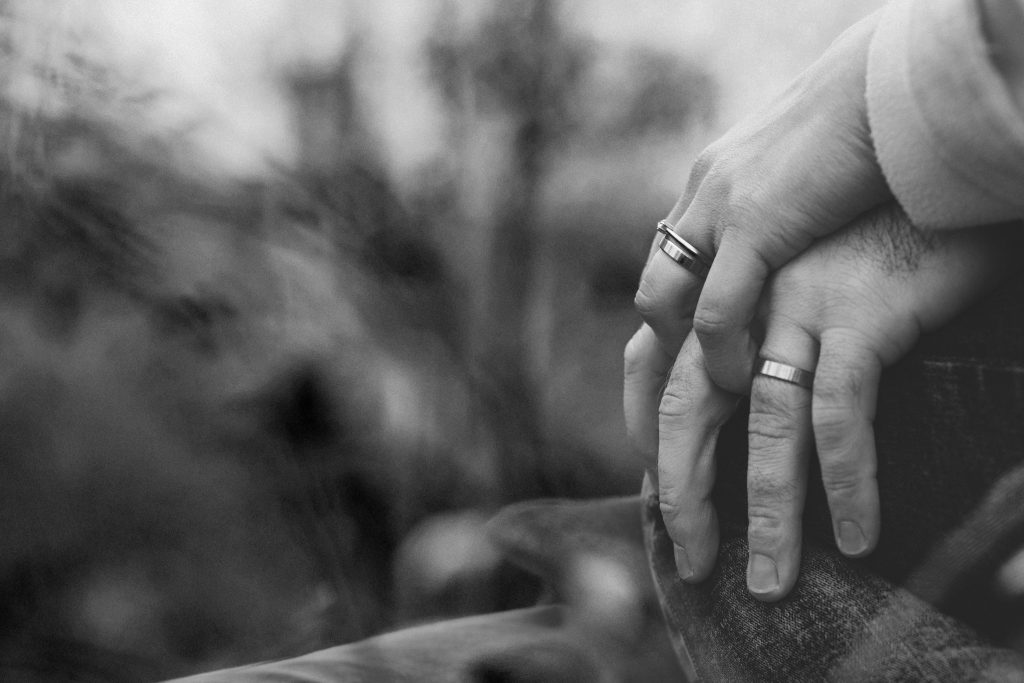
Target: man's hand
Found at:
x=856, y=301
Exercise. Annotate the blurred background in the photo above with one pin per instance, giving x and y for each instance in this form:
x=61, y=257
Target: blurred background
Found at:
x=295, y=295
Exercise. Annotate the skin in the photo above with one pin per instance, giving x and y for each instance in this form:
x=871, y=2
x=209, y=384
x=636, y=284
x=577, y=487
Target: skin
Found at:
x=855, y=302
x=755, y=199
x=782, y=184
x=793, y=173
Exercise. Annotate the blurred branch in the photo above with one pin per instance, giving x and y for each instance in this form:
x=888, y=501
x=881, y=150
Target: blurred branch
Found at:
x=516, y=71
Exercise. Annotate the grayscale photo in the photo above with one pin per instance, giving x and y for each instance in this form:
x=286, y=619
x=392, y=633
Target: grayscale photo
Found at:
x=521, y=341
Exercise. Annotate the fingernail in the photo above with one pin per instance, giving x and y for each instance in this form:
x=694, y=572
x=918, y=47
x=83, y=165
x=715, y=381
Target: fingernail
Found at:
x=683, y=563
x=762, y=574
x=851, y=539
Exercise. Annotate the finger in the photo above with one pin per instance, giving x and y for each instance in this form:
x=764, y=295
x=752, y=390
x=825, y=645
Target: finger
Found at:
x=691, y=413
x=702, y=165
x=668, y=292
x=666, y=297
x=724, y=312
x=646, y=366
x=845, y=391
x=780, y=441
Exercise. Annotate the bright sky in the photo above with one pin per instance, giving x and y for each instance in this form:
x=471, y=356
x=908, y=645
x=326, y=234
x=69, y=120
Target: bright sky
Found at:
x=214, y=62
x=220, y=55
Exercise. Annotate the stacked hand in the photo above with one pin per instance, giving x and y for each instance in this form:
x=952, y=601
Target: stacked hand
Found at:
x=798, y=171
x=854, y=302
x=813, y=267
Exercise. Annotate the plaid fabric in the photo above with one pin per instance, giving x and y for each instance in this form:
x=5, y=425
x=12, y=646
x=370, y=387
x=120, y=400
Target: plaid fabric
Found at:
x=842, y=622
x=926, y=604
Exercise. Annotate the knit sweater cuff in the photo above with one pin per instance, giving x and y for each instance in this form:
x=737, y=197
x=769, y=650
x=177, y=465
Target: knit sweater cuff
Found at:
x=948, y=135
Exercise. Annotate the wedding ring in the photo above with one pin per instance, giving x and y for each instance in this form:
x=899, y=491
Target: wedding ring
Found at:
x=787, y=373
x=665, y=229
x=682, y=252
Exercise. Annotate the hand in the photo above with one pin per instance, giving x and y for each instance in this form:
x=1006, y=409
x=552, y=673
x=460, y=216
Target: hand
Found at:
x=852, y=304
x=799, y=170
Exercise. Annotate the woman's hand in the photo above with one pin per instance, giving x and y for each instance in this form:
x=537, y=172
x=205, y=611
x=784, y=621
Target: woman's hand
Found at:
x=853, y=303
x=799, y=170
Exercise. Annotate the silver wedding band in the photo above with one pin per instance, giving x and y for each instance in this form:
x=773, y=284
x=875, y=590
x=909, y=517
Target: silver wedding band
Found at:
x=787, y=373
x=682, y=252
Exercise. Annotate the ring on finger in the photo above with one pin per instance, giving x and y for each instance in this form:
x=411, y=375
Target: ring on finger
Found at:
x=682, y=252
x=786, y=373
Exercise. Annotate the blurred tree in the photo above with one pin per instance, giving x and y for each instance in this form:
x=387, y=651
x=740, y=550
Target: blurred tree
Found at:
x=344, y=188
x=511, y=78
x=666, y=94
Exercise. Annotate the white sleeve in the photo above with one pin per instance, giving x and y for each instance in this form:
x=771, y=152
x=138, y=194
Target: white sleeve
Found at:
x=948, y=134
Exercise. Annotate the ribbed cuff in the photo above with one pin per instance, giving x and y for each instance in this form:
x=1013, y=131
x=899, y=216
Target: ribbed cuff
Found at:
x=949, y=138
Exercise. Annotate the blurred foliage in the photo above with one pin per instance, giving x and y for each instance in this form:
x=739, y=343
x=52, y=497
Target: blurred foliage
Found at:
x=238, y=417
x=519, y=61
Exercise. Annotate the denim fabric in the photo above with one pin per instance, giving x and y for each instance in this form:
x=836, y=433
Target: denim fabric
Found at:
x=923, y=606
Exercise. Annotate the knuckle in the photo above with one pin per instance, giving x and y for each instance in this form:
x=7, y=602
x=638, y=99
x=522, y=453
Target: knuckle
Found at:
x=675, y=402
x=675, y=519
x=712, y=322
x=745, y=208
x=706, y=161
x=646, y=301
x=835, y=428
x=767, y=427
x=845, y=477
x=686, y=517
x=764, y=527
x=674, y=506
x=768, y=494
x=772, y=232
x=670, y=509
x=633, y=357
x=841, y=484
x=835, y=388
